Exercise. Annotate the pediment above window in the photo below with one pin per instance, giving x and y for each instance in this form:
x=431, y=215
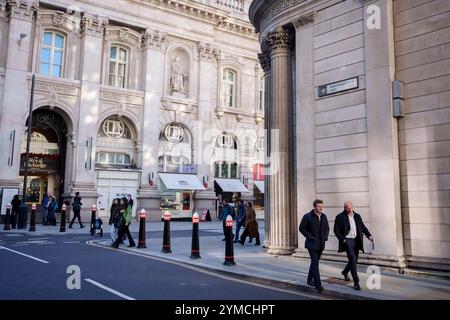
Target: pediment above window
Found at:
x=123, y=35
x=58, y=20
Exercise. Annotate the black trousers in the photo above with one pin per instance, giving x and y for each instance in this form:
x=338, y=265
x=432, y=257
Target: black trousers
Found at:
x=124, y=231
x=352, y=255
x=314, y=274
x=13, y=218
x=76, y=214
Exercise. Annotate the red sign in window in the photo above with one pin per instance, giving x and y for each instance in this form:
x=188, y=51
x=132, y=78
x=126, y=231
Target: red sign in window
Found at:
x=258, y=171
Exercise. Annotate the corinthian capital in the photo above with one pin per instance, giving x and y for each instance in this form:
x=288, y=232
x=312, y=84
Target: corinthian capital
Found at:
x=93, y=24
x=22, y=9
x=279, y=39
x=207, y=51
x=264, y=60
x=155, y=39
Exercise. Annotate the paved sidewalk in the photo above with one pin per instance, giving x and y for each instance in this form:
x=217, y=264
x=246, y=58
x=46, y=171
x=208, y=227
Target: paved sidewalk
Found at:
x=254, y=263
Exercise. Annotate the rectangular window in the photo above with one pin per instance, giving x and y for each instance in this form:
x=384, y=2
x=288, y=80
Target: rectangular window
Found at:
x=118, y=67
x=52, y=54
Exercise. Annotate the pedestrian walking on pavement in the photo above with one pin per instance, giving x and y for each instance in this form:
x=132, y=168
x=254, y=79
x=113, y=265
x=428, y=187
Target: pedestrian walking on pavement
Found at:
x=240, y=219
x=314, y=227
x=51, y=213
x=44, y=203
x=251, y=226
x=226, y=211
x=349, y=228
x=15, y=203
x=124, y=227
x=114, y=218
x=76, y=206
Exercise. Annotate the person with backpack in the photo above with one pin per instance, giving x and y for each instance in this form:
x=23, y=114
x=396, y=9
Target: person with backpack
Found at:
x=76, y=206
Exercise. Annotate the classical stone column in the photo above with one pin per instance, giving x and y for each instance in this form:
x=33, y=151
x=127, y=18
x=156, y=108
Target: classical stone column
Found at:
x=264, y=59
x=154, y=45
x=16, y=93
x=305, y=116
x=92, y=30
x=208, y=56
x=382, y=138
x=283, y=220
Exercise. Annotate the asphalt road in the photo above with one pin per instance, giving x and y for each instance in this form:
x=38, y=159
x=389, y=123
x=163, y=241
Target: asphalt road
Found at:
x=36, y=267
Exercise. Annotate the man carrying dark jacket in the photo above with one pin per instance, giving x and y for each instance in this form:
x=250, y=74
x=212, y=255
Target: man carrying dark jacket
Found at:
x=349, y=229
x=314, y=227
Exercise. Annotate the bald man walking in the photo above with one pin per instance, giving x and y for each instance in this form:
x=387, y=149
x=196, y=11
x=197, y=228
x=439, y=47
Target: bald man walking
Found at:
x=349, y=229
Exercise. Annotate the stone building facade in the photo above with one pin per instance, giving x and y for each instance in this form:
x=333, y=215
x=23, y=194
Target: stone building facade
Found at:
x=125, y=91
x=359, y=92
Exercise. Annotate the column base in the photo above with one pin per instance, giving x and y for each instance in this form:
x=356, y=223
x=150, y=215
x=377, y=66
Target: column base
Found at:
x=282, y=251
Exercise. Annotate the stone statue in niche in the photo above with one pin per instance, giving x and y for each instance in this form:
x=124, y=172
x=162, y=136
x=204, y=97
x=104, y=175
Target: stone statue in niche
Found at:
x=178, y=78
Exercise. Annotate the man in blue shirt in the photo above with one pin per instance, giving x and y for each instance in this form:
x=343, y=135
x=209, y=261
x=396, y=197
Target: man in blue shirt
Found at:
x=240, y=219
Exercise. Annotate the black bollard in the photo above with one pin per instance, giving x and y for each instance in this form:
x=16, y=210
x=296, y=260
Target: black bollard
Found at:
x=8, y=217
x=141, y=242
x=195, y=251
x=229, y=254
x=33, y=218
x=93, y=212
x=166, y=237
x=62, y=227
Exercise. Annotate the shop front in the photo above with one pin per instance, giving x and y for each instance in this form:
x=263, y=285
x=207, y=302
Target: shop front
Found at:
x=229, y=189
x=177, y=193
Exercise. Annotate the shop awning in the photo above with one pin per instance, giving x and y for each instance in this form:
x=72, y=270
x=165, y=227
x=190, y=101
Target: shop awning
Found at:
x=259, y=185
x=176, y=181
x=231, y=185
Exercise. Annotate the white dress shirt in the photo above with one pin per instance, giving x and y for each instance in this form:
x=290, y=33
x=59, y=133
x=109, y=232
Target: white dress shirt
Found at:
x=352, y=233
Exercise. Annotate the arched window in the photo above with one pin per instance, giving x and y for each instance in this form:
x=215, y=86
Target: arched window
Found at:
x=175, y=149
x=229, y=88
x=115, y=144
x=118, y=67
x=52, y=54
x=226, y=155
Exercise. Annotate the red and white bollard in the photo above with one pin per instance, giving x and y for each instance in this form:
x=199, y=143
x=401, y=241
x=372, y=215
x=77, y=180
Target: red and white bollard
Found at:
x=195, y=249
x=62, y=227
x=229, y=252
x=141, y=242
x=166, y=236
x=93, y=213
x=33, y=218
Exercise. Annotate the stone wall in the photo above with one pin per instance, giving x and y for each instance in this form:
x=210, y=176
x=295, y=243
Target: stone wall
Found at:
x=340, y=119
x=422, y=49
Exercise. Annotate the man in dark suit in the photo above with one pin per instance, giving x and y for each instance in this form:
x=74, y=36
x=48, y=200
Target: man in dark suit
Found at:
x=314, y=227
x=349, y=229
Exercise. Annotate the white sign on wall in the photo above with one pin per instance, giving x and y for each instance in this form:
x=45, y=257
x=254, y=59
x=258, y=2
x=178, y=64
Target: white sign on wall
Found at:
x=340, y=86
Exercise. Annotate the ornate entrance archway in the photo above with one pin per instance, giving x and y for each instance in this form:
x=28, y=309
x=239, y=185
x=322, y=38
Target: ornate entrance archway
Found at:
x=47, y=162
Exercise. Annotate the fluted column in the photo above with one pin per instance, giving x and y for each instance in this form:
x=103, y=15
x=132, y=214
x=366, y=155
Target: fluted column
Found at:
x=283, y=221
x=264, y=59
